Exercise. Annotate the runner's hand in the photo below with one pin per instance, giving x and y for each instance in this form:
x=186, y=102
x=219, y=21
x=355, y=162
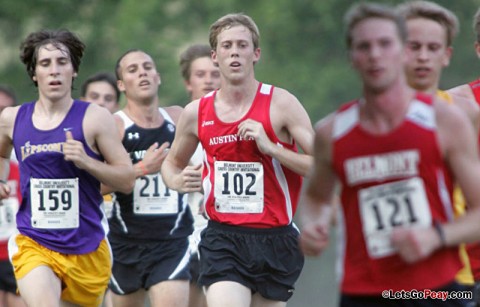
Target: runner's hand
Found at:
x=252, y=129
x=154, y=157
x=190, y=179
x=74, y=151
x=314, y=239
x=415, y=244
x=4, y=190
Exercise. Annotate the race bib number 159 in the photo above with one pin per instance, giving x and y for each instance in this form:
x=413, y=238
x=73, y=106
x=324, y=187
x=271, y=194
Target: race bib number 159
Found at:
x=54, y=203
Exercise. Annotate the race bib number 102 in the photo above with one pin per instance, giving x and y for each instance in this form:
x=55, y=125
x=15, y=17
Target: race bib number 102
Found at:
x=239, y=187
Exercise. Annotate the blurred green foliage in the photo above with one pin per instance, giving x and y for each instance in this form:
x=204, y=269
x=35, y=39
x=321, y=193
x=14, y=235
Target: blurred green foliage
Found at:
x=302, y=41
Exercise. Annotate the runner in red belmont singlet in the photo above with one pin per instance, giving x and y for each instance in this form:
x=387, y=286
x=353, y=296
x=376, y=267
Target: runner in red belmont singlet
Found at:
x=471, y=91
x=396, y=190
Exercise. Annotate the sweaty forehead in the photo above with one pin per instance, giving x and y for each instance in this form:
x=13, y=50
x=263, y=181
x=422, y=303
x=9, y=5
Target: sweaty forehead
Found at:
x=135, y=58
x=236, y=32
x=49, y=50
x=426, y=29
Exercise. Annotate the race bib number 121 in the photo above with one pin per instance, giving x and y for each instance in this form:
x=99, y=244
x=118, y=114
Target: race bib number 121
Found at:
x=386, y=206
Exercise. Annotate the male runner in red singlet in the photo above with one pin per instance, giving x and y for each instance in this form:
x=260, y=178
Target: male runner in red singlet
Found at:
x=431, y=30
x=8, y=209
x=249, y=130
x=471, y=91
x=396, y=190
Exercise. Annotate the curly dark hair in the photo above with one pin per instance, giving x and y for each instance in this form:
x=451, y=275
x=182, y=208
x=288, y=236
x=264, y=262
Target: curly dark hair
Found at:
x=29, y=47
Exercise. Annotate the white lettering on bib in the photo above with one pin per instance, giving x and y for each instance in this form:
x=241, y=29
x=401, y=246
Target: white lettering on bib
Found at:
x=55, y=203
x=152, y=196
x=239, y=187
x=396, y=204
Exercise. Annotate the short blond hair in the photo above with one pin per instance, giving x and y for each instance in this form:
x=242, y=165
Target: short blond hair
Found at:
x=364, y=10
x=231, y=20
x=434, y=12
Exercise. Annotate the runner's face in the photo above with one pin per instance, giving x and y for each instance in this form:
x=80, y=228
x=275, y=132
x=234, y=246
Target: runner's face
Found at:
x=204, y=77
x=427, y=53
x=103, y=94
x=235, y=54
x=54, y=72
x=139, y=77
x=377, y=53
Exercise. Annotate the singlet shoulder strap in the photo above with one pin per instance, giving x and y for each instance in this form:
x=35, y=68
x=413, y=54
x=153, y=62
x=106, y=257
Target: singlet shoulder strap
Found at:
x=475, y=86
x=165, y=115
x=126, y=120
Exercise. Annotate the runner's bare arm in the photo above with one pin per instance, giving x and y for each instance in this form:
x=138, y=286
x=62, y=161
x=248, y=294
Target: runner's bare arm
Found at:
x=459, y=147
x=101, y=129
x=291, y=123
x=316, y=202
x=7, y=120
x=175, y=172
